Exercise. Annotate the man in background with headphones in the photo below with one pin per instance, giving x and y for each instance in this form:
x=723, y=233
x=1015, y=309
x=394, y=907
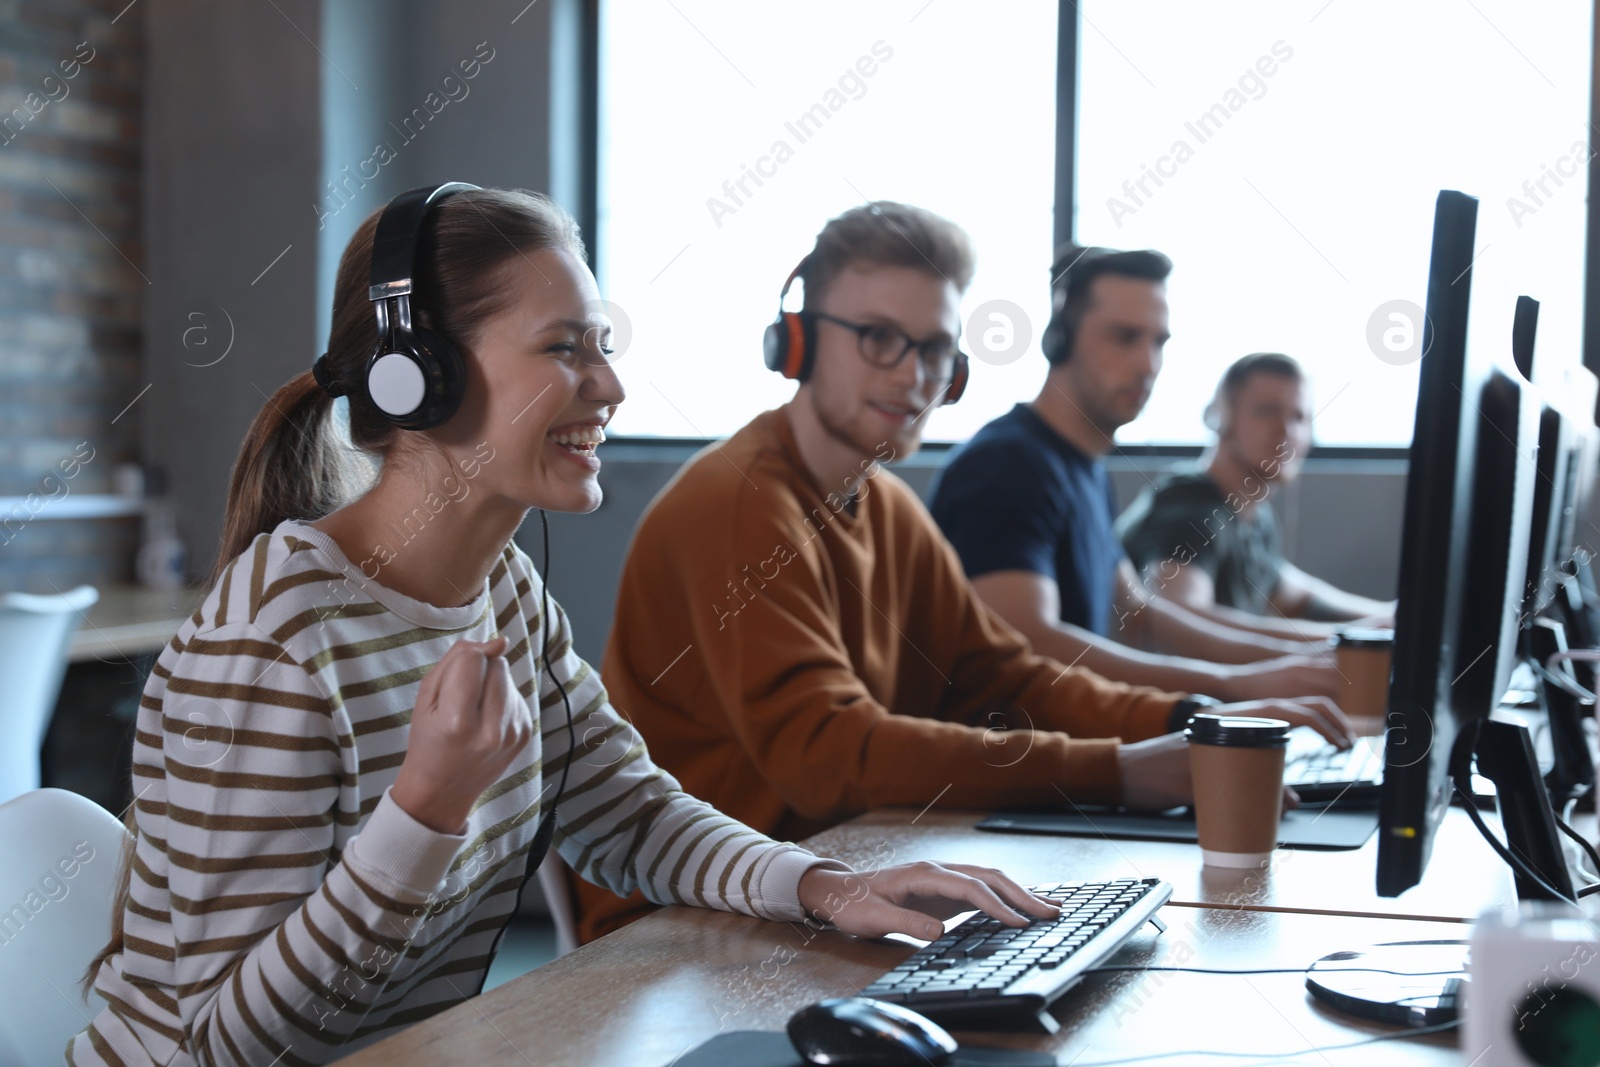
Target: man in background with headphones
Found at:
x=1217, y=516
x=794, y=638
x=1028, y=506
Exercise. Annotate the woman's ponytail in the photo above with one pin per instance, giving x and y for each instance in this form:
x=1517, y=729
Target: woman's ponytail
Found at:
x=293, y=464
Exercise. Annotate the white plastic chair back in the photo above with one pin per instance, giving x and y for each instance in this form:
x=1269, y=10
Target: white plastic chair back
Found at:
x=553, y=882
x=34, y=632
x=58, y=883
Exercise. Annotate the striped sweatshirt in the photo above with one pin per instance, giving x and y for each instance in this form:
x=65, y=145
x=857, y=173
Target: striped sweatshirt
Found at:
x=282, y=907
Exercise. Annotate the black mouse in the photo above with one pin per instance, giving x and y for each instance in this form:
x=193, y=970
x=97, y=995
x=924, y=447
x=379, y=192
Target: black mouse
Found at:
x=861, y=1032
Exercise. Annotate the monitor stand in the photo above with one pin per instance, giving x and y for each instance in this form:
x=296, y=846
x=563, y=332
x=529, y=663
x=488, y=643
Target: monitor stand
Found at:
x=1430, y=980
x=1505, y=757
x=1567, y=705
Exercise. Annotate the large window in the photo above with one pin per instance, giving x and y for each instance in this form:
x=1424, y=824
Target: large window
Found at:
x=1287, y=157
x=731, y=131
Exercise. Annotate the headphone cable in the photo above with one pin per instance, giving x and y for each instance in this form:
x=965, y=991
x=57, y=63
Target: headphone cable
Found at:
x=543, y=837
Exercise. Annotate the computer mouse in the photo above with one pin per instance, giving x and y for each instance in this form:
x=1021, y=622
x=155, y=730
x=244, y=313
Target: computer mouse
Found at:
x=861, y=1032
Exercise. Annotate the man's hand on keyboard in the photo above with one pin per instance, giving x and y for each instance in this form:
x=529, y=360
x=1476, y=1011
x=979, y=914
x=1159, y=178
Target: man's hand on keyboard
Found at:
x=1319, y=713
x=903, y=899
x=1155, y=773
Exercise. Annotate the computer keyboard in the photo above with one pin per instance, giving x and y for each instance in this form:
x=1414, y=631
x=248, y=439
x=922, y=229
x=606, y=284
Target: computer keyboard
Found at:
x=984, y=975
x=1319, y=771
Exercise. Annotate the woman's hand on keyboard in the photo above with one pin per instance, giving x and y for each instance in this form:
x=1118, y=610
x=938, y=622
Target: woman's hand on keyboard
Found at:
x=1319, y=713
x=911, y=898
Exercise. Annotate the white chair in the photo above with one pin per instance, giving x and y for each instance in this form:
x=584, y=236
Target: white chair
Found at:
x=58, y=884
x=34, y=631
x=557, y=897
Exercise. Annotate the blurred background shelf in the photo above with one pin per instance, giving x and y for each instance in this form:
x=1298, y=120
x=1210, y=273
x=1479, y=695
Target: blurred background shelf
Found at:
x=131, y=621
x=73, y=506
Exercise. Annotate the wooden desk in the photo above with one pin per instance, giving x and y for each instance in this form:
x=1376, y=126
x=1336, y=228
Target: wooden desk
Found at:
x=644, y=995
x=1464, y=878
x=130, y=620
x=663, y=985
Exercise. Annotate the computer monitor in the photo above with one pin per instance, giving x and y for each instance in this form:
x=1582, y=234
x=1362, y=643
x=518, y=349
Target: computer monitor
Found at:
x=1579, y=475
x=1505, y=469
x=1552, y=490
x=1463, y=558
x=1551, y=486
x=1552, y=574
x=1575, y=541
x=1463, y=565
x=1421, y=729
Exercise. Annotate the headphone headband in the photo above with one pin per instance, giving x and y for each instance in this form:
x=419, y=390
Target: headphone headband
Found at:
x=798, y=273
x=394, y=245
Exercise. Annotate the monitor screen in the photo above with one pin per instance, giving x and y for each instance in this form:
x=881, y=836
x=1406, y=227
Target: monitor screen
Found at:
x=1433, y=554
x=1577, y=541
x=1505, y=472
x=1551, y=489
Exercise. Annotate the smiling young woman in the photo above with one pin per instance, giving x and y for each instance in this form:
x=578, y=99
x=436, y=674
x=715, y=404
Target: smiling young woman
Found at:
x=342, y=768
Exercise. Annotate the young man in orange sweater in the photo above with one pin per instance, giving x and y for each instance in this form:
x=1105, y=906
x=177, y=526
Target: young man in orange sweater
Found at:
x=797, y=641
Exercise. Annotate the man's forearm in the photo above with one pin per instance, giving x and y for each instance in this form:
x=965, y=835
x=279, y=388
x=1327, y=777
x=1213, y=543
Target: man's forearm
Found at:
x=1335, y=605
x=1120, y=663
x=1296, y=630
x=1304, y=596
x=1205, y=633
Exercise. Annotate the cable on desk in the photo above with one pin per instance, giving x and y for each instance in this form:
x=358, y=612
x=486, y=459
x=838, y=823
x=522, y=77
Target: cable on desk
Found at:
x=1589, y=850
x=1546, y=672
x=1279, y=970
x=1421, y=1031
x=1516, y=862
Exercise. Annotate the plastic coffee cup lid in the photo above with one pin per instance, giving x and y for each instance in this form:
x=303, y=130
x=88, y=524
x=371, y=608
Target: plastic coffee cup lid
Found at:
x=1363, y=637
x=1239, y=731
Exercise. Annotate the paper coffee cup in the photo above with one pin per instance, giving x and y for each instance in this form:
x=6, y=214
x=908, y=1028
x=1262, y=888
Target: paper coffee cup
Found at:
x=1364, y=656
x=1237, y=764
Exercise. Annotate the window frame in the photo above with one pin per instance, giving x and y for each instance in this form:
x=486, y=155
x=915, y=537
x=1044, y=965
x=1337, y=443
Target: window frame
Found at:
x=584, y=149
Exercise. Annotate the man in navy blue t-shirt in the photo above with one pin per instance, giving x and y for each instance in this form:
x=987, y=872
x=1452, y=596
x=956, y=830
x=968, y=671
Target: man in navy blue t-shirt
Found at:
x=1028, y=505
x=1021, y=497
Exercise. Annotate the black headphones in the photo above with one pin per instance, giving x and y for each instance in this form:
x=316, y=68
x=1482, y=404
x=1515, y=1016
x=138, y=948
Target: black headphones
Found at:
x=1054, y=342
x=414, y=377
x=790, y=343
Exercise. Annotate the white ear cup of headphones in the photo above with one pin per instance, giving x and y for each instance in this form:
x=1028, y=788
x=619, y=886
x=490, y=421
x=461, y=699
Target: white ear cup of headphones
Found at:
x=396, y=384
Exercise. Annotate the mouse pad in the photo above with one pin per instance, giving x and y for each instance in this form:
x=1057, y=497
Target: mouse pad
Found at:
x=763, y=1048
x=1307, y=828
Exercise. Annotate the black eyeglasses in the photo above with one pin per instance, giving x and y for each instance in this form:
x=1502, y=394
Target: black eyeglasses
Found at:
x=883, y=345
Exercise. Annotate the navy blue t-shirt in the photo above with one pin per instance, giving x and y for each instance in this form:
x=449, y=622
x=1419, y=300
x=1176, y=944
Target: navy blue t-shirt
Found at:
x=1020, y=497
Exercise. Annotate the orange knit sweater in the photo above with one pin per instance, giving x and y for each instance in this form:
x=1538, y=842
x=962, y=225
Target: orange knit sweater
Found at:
x=795, y=661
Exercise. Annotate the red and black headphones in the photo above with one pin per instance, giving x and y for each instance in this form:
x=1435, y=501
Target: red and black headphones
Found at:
x=790, y=343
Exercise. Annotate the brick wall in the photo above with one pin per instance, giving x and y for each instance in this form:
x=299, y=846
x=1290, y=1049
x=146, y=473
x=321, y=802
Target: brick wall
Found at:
x=71, y=289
